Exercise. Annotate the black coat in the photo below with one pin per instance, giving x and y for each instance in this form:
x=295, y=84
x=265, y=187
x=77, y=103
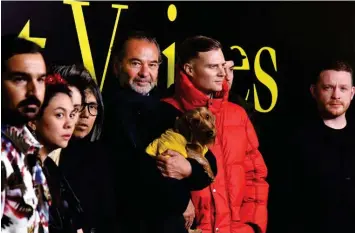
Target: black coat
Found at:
x=85, y=165
x=65, y=211
x=147, y=202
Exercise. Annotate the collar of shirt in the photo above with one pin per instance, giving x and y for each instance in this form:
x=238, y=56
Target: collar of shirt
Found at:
x=22, y=135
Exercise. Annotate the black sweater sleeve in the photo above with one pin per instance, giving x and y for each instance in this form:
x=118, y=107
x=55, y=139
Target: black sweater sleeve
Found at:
x=172, y=195
x=199, y=179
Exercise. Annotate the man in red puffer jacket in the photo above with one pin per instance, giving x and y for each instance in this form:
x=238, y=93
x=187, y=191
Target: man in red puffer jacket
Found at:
x=237, y=201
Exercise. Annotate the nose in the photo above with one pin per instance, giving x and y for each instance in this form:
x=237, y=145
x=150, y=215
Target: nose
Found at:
x=32, y=88
x=70, y=122
x=144, y=71
x=210, y=133
x=336, y=93
x=85, y=112
x=222, y=72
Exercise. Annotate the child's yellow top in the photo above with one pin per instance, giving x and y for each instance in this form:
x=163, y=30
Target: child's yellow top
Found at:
x=170, y=140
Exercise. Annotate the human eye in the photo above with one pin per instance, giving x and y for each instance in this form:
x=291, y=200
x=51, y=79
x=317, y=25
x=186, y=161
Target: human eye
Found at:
x=136, y=64
x=93, y=106
x=59, y=115
x=327, y=87
x=72, y=115
x=153, y=65
x=343, y=88
x=41, y=79
x=77, y=109
x=19, y=79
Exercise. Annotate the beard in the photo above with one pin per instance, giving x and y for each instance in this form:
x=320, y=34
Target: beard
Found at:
x=332, y=111
x=145, y=89
x=135, y=85
x=24, y=112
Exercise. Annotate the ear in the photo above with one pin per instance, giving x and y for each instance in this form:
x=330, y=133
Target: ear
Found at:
x=313, y=90
x=116, y=66
x=352, y=92
x=188, y=69
x=182, y=126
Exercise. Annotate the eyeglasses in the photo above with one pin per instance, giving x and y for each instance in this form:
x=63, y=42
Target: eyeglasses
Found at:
x=92, y=108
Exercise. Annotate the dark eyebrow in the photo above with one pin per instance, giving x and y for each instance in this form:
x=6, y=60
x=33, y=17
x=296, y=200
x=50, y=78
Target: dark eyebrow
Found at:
x=91, y=103
x=136, y=59
x=61, y=108
x=42, y=76
x=19, y=73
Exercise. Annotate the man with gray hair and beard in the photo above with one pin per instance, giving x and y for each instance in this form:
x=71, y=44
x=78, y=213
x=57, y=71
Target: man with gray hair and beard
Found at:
x=130, y=99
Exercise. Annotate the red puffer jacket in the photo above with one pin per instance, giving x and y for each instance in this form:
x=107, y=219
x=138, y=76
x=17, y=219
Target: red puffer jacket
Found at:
x=237, y=201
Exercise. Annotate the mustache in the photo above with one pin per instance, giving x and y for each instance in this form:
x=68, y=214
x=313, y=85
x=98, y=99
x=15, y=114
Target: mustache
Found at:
x=29, y=101
x=143, y=80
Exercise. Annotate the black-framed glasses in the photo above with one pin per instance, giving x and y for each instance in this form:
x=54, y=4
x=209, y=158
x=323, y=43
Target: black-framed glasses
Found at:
x=92, y=108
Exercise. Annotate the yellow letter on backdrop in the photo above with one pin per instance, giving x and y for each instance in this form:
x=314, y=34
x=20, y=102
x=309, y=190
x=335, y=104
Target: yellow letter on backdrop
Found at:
x=169, y=52
x=265, y=79
x=84, y=40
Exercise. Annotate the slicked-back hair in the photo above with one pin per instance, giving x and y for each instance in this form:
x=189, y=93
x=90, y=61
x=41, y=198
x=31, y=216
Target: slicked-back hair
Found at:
x=119, y=50
x=192, y=46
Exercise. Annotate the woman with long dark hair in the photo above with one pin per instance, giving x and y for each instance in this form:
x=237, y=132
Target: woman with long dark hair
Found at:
x=85, y=161
x=53, y=128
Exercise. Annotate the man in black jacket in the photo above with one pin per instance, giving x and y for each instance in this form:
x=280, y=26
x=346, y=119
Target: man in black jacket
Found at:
x=149, y=199
x=323, y=162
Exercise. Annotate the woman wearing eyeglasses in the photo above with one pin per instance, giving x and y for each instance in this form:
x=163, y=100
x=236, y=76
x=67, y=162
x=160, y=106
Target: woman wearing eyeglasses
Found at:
x=85, y=161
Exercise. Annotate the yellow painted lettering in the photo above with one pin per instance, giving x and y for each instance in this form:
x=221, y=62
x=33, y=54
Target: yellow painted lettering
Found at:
x=25, y=33
x=119, y=8
x=265, y=79
x=82, y=35
x=245, y=64
x=169, y=53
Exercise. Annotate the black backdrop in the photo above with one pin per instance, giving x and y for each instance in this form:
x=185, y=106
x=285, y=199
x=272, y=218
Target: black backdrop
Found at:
x=301, y=33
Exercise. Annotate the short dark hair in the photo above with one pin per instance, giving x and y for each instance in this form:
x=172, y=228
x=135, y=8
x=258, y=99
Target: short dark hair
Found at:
x=51, y=91
x=190, y=48
x=119, y=50
x=79, y=77
x=333, y=64
x=12, y=45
